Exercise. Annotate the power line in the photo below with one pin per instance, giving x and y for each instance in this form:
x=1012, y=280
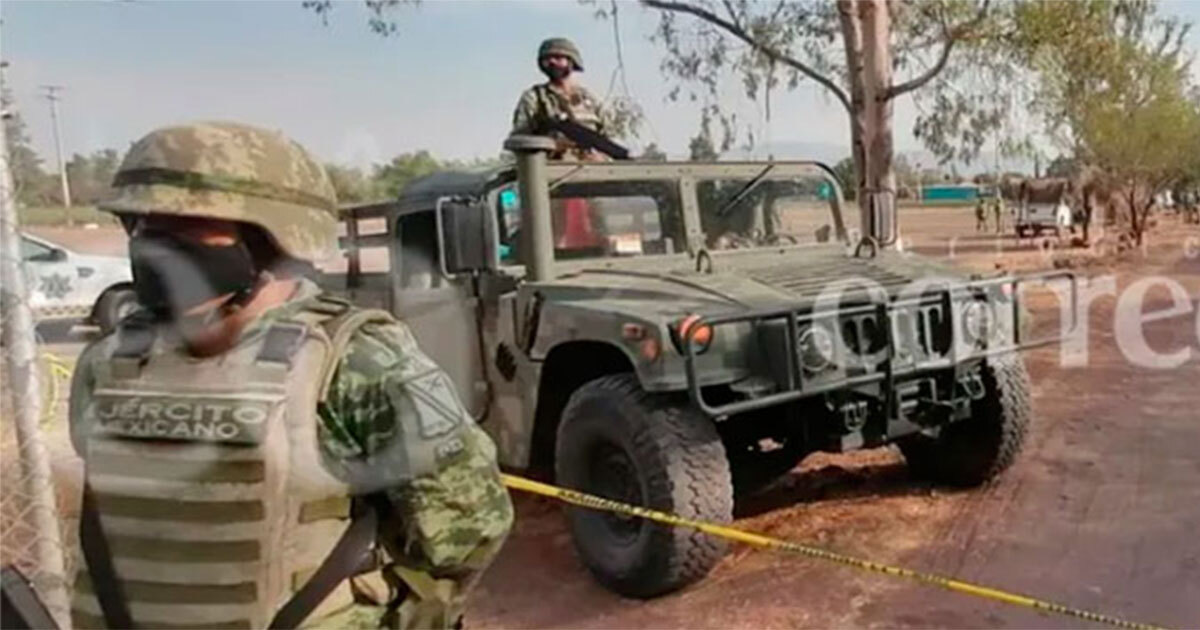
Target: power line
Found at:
x=51, y=94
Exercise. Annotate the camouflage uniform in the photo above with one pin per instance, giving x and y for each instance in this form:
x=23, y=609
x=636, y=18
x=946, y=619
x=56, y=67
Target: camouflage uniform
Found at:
x=449, y=512
x=453, y=520
x=545, y=102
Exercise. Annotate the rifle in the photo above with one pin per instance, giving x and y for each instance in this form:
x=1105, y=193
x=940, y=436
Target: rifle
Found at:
x=588, y=138
x=20, y=607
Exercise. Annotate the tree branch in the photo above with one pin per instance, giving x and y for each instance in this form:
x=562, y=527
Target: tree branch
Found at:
x=771, y=53
x=952, y=37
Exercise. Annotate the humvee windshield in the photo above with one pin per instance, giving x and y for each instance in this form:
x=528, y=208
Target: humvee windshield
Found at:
x=738, y=213
x=622, y=218
x=604, y=219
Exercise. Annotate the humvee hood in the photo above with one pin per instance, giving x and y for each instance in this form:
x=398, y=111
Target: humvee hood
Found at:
x=740, y=280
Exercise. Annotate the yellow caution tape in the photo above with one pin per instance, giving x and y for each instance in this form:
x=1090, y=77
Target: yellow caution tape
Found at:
x=765, y=542
x=60, y=370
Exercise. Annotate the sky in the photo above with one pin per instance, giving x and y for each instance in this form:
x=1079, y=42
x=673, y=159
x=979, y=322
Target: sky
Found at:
x=447, y=82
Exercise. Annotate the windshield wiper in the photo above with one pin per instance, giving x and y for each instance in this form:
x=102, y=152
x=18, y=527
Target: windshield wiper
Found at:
x=741, y=194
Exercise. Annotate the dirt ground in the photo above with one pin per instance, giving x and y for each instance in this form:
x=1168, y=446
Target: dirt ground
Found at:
x=1100, y=511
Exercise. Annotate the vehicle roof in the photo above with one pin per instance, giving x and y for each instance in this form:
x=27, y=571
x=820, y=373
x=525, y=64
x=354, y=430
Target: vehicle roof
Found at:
x=421, y=194
x=424, y=192
x=40, y=241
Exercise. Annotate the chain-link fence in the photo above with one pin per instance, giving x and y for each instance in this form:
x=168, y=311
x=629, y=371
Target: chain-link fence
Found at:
x=32, y=500
x=33, y=427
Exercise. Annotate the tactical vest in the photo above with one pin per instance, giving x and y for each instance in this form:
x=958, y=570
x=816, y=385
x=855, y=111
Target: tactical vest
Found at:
x=207, y=477
x=583, y=110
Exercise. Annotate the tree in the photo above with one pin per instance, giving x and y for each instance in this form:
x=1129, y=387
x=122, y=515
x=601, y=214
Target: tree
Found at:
x=350, y=183
x=1143, y=133
x=91, y=175
x=1114, y=91
x=31, y=183
x=1063, y=166
x=391, y=178
x=851, y=49
x=847, y=176
x=653, y=154
x=700, y=147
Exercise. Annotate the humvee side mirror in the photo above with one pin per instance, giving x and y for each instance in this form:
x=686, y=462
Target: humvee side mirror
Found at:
x=463, y=232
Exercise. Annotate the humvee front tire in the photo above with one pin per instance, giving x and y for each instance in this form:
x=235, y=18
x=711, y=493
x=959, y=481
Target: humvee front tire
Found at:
x=975, y=450
x=619, y=442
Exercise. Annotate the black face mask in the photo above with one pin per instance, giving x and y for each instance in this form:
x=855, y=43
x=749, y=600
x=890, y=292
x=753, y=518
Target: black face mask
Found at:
x=171, y=275
x=556, y=73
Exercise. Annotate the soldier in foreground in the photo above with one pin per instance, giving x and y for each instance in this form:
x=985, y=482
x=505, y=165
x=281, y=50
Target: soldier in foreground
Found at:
x=559, y=98
x=257, y=453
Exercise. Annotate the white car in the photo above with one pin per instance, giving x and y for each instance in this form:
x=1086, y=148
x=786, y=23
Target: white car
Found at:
x=67, y=285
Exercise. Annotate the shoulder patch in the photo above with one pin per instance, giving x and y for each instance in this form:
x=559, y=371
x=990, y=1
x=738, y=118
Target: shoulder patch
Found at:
x=438, y=409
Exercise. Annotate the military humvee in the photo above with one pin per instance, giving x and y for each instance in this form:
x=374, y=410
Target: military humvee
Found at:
x=670, y=334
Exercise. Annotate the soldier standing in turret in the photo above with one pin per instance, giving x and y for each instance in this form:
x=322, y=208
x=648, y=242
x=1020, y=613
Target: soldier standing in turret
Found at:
x=561, y=97
x=257, y=453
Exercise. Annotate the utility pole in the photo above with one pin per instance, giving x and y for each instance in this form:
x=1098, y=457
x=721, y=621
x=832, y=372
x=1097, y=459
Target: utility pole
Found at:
x=51, y=94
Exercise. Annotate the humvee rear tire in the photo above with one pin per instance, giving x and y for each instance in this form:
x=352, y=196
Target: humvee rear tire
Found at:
x=619, y=442
x=973, y=451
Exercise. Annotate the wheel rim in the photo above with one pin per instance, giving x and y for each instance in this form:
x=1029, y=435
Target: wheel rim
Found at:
x=612, y=475
x=125, y=308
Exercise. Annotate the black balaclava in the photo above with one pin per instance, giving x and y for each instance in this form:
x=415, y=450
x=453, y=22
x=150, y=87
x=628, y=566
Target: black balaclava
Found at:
x=171, y=275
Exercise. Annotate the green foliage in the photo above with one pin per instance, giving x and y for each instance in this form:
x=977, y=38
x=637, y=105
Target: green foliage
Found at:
x=653, y=154
x=33, y=186
x=847, y=175
x=700, y=149
x=392, y=177
x=1078, y=49
x=350, y=184
x=379, y=13
x=91, y=176
x=943, y=52
x=1115, y=91
x=387, y=180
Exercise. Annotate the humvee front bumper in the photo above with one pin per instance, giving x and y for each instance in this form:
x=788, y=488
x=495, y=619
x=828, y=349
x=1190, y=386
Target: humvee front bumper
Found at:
x=881, y=357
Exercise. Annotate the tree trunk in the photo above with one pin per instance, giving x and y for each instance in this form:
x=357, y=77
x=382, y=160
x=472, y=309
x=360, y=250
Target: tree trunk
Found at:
x=866, y=26
x=1136, y=221
x=877, y=79
x=852, y=38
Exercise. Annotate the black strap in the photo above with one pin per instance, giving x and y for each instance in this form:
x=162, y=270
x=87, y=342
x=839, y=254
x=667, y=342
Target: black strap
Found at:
x=20, y=606
x=346, y=560
x=135, y=337
x=281, y=343
x=99, y=566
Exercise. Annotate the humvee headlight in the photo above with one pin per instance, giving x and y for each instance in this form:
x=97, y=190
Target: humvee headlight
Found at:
x=816, y=348
x=977, y=321
x=691, y=329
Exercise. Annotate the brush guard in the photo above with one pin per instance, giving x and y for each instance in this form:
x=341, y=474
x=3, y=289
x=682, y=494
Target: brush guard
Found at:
x=952, y=299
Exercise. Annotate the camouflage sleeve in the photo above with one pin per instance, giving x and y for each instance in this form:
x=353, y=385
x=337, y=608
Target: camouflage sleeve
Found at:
x=452, y=516
x=604, y=115
x=526, y=113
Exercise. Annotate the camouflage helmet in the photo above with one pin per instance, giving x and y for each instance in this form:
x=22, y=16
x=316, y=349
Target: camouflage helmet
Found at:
x=561, y=46
x=234, y=172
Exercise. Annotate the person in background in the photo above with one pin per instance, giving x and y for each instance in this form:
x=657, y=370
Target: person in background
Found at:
x=560, y=97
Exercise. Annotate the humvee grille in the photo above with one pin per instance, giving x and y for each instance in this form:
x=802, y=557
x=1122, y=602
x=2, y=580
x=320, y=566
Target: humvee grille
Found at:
x=919, y=333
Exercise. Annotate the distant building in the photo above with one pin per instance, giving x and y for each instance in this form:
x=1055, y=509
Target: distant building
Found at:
x=951, y=192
